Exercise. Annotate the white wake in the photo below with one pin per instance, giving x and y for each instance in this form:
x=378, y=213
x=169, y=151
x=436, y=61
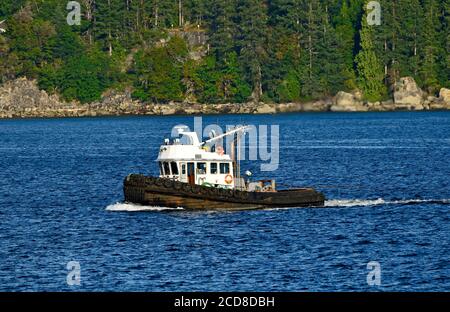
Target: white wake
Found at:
x=135, y=208
x=329, y=203
x=380, y=201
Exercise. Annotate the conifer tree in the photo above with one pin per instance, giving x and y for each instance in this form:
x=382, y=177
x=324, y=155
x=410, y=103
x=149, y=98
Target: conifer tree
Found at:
x=410, y=21
x=109, y=22
x=333, y=72
x=370, y=70
x=346, y=35
x=277, y=50
x=430, y=46
x=282, y=68
x=223, y=30
x=251, y=42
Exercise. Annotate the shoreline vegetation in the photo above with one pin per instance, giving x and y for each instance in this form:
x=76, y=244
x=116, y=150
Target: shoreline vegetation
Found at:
x=22, y=98
x=166, y=57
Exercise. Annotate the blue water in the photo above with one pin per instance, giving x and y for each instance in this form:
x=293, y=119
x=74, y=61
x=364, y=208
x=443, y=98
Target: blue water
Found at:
x=386, y=177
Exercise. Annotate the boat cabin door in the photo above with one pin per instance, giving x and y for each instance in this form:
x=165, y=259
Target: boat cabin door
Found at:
x=183, y=175
x=191, y=173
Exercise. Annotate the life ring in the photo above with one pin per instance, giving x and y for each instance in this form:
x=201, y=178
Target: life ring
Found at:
x=220, y=150
x=228, y=179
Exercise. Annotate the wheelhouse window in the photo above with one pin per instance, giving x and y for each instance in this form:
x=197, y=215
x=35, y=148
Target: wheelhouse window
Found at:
x=166, y=168
x=174, y=167
x=213, y=168
x=161, y=169
x=224, y=168
x=201, y=168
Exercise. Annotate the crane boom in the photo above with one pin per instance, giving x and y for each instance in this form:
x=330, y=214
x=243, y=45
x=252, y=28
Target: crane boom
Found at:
x=240, y=129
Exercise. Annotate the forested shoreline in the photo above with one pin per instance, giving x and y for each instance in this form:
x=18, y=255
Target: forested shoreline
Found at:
x=225, y=51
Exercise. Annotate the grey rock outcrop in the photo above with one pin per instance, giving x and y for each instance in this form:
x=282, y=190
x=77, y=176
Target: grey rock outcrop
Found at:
x=347, y=102
x=444, y=96
x=408, y=95
x=21, y=98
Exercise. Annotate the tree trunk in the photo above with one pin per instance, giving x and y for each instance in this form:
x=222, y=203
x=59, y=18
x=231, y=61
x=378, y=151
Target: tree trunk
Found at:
x=180, y=13
x=310, y=48
x=257, y=91
x=89, y=4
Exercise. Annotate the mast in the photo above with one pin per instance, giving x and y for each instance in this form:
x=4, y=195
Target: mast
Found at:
x=235, y=148
x=238, y=162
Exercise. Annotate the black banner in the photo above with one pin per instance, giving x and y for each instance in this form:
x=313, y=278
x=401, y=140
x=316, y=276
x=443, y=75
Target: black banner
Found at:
x=216, y=301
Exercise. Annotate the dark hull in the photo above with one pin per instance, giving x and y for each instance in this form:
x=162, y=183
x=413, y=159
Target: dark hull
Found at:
x=152, y=191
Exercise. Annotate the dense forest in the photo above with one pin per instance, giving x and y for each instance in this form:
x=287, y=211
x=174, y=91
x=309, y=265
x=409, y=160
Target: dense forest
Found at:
x=261, y=50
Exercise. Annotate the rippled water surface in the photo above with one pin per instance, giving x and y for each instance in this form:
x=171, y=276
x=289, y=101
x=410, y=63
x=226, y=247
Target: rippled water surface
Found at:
x=386, y=177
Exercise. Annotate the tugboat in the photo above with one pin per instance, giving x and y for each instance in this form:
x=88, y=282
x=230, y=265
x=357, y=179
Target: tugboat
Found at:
x=195, y=176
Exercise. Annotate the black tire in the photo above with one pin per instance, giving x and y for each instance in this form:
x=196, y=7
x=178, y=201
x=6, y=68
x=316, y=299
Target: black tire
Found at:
x=203, y=190
x=137, y=180
x=159, y=182
x=149, y=181
x=242, y=195
x=177, y=185
x=197, y=189
x=168, y=183
x=223, y=192
x=187, y=188
x=215, y=192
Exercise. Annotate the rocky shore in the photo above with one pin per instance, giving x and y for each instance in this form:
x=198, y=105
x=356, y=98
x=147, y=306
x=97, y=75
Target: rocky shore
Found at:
x=21, y=98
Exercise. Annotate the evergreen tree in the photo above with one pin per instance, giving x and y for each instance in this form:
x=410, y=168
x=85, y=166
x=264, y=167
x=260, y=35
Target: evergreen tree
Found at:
x=334, y=74
x=159, y=72
x=7, y=61
x=30, y=40
x=346, y=35
x=251, y=42
x=410, y=21
x=430, y=46
x=196, y=12
x=108, y=24
x=370, y=71
x=444, y=50
x=282, y=68
x=223, y=29
x=9, y=8
x=212, y=85
x=318, y=44
x=274, y=50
